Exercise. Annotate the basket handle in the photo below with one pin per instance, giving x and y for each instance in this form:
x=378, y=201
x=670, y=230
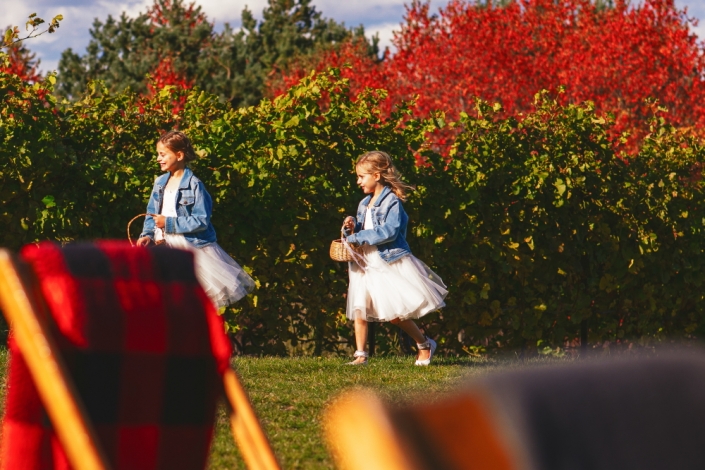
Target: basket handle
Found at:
x=357, y=257
x=129, y=238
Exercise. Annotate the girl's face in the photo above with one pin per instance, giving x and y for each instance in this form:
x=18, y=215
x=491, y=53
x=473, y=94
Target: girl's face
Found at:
x=169, y=160
x=367, y=181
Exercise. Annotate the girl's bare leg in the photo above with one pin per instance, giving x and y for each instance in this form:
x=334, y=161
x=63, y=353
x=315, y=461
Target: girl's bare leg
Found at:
x=360, y=337
x=412, y=330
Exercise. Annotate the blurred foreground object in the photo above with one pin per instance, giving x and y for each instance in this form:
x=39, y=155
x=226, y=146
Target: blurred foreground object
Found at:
x=626, y=414
x=117, y=360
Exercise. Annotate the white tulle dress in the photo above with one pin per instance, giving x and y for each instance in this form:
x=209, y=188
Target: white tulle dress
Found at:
x=405, y=289
x=224, y=281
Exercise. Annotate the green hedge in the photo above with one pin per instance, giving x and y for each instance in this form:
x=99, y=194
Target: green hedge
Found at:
x=535, y=225
x=540, y=227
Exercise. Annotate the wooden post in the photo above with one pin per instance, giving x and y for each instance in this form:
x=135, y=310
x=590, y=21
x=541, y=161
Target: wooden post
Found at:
x=246, y=428
x=29, y=324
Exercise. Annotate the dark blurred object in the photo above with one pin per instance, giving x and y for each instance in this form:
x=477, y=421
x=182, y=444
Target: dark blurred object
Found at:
x=627, y=414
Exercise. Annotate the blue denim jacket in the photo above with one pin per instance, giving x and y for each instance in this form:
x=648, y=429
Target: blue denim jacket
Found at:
x=389, y=223
x=193, y=208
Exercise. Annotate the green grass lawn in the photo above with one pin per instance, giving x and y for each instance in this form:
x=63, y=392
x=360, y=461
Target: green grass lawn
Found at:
x=289, y=395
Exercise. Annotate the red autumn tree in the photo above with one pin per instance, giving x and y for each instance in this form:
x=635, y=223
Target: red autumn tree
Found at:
x=21, y=62
x=171, y=68
x=183, y=20
x=360, y=65
x=614, y=56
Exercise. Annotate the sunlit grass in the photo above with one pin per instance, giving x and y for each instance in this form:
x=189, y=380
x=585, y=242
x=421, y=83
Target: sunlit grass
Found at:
x=290, y=394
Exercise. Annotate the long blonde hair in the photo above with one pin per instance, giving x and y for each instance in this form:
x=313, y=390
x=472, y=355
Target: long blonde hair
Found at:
x=380, y=162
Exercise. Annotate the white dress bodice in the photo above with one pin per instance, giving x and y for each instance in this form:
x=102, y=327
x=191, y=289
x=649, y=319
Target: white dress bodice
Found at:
x=169, y=203
x=368, y=220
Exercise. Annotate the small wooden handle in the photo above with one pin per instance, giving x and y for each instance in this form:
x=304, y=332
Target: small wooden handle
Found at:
x=246, y=428
x=129, y=238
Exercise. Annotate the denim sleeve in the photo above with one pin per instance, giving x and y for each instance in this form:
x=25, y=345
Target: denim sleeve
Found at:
x=200, y=215
x=148, y=226
x=384, y=233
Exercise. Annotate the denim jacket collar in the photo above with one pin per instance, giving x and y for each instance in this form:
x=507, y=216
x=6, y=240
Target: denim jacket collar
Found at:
x=385, y=191
x=185, y=182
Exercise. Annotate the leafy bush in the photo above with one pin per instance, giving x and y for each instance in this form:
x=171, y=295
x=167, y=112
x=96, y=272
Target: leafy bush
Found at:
x=540, y=227
x=535, y=224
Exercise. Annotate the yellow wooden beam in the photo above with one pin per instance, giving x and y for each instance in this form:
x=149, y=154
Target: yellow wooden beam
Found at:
x=246, y=428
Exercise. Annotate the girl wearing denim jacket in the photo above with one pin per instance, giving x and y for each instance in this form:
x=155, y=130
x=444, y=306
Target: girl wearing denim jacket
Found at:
x=180, y=214
x=389, y=284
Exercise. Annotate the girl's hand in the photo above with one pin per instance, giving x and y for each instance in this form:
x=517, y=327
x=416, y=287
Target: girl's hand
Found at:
x=159, y=220
x=144, y=241
x=349, y=223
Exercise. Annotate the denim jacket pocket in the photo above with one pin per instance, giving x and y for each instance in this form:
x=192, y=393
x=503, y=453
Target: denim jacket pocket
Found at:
x=187, y=198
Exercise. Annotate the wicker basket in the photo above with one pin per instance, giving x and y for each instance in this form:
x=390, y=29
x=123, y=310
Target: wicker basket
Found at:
x=129, y=238
x=340, y=250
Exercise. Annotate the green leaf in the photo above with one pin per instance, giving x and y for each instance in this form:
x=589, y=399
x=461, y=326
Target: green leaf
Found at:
x=560, y=186
x=48, y=201
x=293, y=122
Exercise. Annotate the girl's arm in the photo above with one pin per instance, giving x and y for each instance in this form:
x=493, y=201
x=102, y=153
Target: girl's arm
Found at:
x=200, y=212
x=383, y=233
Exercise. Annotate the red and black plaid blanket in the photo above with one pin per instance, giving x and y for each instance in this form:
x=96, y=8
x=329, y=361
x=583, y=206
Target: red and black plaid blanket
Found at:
x=144, y=346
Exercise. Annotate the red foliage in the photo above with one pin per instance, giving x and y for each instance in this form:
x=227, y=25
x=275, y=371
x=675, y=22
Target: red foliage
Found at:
x=21, y=63
x=615, y=57
x=351, y=57
x=164, y=14
x=165, y=75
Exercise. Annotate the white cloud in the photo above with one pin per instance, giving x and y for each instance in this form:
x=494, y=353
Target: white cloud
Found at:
x=229, y=12
x=353, y=11
x=385, y=31
x=49, y=65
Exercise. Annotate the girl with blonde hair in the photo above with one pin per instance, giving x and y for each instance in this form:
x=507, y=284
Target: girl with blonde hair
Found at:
x=389, y=283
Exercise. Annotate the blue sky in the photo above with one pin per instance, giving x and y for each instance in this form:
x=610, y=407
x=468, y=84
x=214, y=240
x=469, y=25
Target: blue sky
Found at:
x=378, y=16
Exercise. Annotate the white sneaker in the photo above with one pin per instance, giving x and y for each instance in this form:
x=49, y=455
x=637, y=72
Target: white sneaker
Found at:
x=429, y=344
x=356, y=355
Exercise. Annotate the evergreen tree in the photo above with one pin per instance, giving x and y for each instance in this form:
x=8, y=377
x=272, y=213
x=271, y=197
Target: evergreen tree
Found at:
x=175, y=43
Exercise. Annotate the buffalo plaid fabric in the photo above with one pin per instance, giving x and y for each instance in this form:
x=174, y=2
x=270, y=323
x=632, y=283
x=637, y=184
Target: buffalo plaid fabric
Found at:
x=144, y=347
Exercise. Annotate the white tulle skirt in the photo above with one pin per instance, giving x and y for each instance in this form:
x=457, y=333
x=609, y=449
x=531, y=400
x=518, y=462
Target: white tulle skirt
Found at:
x=224, y=281
x=405, y=289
